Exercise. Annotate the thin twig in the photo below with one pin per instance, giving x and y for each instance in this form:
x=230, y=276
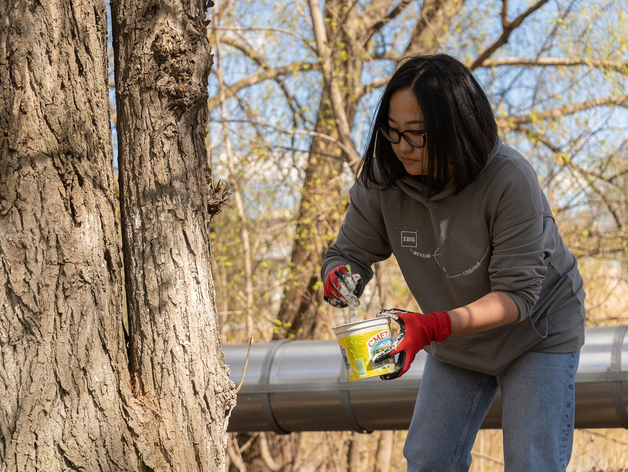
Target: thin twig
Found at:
x=486, y=457
x=507, y=29
x=233, y=451
x=249, y=442
x=266, y=454
x=604, y=436
x=246, y=363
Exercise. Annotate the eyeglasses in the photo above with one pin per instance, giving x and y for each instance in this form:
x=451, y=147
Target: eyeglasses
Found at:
x=413, y=137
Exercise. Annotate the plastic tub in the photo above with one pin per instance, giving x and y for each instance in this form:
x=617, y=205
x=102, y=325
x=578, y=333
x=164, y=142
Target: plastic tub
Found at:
x=359, y=341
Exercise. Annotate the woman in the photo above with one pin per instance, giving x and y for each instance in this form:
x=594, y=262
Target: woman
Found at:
x=501, y=295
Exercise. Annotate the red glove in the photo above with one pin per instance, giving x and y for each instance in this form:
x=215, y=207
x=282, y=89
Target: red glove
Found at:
x=342, y=287
x=416, y=331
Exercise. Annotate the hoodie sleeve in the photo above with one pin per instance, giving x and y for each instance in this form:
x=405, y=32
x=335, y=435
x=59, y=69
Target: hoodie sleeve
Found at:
x=520, y=224
x=362, y=238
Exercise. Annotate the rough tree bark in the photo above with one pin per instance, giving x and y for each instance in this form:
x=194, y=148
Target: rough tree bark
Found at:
x=63, y=373
x=67, y=399
x=162, y=60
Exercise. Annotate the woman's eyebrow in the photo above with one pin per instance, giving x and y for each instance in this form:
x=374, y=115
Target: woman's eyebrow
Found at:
x=412, y=122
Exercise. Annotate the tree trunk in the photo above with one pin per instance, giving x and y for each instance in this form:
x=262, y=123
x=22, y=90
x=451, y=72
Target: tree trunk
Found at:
x=67, y=399
x=167, y=200
x=319, y=214
x=383, y=455
x=63, y=362
x=357, y=452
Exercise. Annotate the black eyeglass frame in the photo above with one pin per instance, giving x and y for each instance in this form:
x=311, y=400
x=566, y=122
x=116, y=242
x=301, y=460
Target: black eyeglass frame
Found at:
x=384, y=131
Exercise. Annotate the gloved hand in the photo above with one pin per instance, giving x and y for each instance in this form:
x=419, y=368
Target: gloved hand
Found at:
x=342, y=287
x=416, y=331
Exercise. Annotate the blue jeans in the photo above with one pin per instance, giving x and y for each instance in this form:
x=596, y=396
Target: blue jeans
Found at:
x=538, y=402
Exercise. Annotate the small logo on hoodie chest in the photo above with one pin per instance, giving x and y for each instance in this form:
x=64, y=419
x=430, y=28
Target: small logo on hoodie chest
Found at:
x=408, y=238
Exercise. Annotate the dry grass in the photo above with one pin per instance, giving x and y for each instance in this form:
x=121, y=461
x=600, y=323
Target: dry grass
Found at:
x=600, y=450
x=595, y=450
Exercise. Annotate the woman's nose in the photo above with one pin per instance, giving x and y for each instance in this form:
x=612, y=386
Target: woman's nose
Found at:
x=404, y=145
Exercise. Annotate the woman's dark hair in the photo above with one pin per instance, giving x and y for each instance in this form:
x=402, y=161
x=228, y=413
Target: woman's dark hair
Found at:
x=459, y=122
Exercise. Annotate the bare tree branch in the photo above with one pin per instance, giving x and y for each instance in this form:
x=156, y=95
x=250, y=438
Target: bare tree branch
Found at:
x=269, y=74
x=605, y=436
x=235, y=456
x=487, y=457
x=365, y=89
x=352, y=25
x=588, y=177
x=511, y=122
x=375, y=17
x=263, y=28
x=337, y=101
x=435, y=19
x=266, y=454
x=617, y=66
x=504, y=14
x=292, y=132
x=507, y=29
x=244, y=49
x=261, y=62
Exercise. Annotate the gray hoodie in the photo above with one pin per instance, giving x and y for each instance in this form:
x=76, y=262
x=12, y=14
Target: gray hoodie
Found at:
x=498, y=234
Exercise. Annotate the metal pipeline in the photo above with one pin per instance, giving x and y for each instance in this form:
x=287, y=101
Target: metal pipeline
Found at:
x=303, y=386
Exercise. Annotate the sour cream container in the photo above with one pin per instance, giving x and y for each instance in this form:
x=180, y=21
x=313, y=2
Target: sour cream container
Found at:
x=361, y=340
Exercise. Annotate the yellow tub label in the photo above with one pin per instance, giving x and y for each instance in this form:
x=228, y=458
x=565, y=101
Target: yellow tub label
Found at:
x=358, y=349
